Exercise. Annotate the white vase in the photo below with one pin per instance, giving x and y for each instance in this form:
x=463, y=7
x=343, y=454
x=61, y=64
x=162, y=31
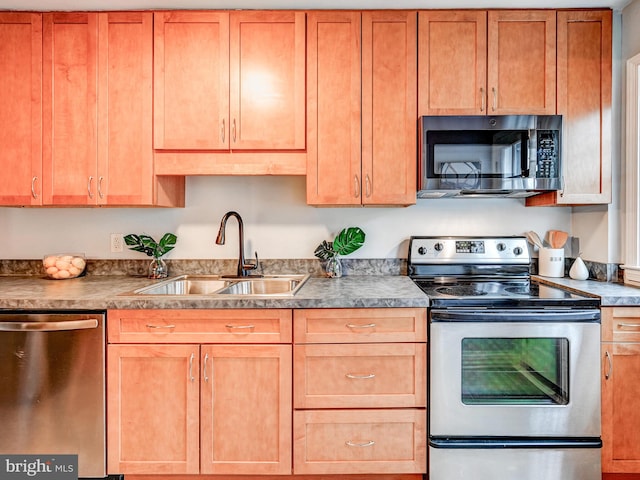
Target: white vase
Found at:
x=579, y=270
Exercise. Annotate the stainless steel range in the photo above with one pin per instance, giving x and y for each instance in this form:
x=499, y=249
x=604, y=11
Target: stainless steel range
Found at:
x=514, y=367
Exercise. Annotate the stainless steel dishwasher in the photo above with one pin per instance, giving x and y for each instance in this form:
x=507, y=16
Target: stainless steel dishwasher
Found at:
x=52, y=386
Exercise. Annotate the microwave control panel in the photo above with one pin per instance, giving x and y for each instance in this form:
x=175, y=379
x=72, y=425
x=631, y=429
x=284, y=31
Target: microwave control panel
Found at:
x=548, y=149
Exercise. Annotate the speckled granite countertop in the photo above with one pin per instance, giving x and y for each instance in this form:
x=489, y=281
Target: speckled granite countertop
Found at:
x=610, y=294
x=102, y=292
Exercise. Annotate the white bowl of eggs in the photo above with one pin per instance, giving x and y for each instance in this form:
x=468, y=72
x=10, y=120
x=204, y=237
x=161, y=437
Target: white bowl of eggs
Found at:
x=61, y=266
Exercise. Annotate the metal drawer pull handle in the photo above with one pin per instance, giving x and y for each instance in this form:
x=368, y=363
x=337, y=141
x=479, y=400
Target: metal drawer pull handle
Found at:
x=89, y=187
x=148, y=325
x=360, y=376
x=609, y=364
x=100, y=194
x=237, y=327
x=629, y=325
x=191, y=377
x=482, y=99
x=233, y=130
x=356, y=186
x=204, y=368
x=370, y=443
x=495, y=99
x=223, y=120
x=366, y=325
x=367, y=183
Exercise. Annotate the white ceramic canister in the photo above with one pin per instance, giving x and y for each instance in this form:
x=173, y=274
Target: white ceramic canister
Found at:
x=551, y=262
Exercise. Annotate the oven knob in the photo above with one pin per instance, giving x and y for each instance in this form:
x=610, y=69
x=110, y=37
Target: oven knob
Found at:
x=501, y=247
x=422, y=250
x=438, y=247
x=517, y=250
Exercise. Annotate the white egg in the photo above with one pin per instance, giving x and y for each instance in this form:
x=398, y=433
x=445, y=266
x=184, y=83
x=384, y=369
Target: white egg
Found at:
x=74, y=271
x=49, y=261
x=63, y=265
x=52, y=270
x=78, y=262
x=63, y=274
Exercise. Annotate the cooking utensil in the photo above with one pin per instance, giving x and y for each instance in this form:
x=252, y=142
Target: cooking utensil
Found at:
x=557, y=238
x=534, y=239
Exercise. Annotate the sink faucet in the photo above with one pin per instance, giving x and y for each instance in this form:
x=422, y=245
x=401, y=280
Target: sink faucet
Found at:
x=243, y=267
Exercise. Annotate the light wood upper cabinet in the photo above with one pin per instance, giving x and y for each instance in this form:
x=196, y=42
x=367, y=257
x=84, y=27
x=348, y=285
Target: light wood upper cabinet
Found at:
x=97, y=87
x=21, y=112
x=229, y=80
x=497, y=62
x=70, y=105
x=521, y=62
x=361, y=103
x=452, y=62
x=584, y=101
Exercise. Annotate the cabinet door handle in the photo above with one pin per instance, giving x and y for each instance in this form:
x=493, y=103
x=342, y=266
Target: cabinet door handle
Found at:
x=89, y=187
x=367, y=184
x=495, y=98
x=629, y=325
x=233, y=131
x=360, y=376
x=483, y=99
x=204, y=368
x=222, y=133
x=609, y=360
x=191, y=377
x=370, y=443
x=239, y=327
x=365, y=325
x=100, y=194
x=33, y=187
x=148, y=325
x=356, y=186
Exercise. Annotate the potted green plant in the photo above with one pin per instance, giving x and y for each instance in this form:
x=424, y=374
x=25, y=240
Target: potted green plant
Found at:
x=147, y=245
x=346, y=242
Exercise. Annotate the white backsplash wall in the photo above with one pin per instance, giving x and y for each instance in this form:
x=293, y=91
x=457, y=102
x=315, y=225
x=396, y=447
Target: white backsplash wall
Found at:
x=277, y=223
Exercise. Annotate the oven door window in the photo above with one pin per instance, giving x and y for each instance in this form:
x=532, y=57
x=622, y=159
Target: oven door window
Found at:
x=515, y=371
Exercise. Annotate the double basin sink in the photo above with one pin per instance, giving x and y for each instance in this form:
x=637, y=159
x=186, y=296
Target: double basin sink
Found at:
x=267, y=285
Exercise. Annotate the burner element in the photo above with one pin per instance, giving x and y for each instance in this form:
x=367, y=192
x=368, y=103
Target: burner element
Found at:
x=460, y=291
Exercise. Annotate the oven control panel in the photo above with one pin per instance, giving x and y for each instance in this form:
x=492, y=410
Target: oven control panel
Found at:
x=485, y=250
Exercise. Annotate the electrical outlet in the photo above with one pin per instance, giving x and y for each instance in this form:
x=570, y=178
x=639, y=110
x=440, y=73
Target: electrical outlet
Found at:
x=117, y=243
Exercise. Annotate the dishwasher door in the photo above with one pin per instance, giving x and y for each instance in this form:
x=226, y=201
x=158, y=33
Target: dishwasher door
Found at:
x=52, y=386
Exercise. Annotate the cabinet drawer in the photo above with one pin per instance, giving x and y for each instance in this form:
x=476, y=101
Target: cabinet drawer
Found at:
x=366, y=325
x=360, y=441
x=360, y=375
x=199, y=326
x=621, y=324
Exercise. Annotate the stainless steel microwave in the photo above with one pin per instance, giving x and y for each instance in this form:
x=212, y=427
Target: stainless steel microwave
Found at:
x=492, y=156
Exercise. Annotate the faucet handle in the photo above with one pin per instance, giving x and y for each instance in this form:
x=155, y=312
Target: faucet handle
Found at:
x=252, y=266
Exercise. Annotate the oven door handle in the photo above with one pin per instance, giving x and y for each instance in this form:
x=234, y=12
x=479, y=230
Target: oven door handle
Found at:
x=524, y=315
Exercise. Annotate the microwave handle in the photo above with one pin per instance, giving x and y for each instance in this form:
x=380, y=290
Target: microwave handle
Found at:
x=524, y=159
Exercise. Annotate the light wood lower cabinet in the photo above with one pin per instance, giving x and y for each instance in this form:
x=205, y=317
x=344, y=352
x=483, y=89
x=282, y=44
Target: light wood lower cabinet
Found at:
x=198, y=408
x=620, y=390
x=359, y=394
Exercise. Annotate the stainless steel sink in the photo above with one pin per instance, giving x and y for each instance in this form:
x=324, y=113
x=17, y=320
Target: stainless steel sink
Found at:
x=268, y=285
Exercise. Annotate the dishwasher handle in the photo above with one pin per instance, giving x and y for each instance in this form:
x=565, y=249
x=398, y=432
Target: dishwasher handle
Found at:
x=81, y=324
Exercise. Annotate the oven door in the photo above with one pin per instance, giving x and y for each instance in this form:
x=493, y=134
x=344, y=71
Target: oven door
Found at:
x=514, y=373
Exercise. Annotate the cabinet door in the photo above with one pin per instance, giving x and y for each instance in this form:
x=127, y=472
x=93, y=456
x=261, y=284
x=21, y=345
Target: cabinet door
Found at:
x=584, y=101
x=620, y=413
x=70, y=68
x=521, y=63
x=191, y=82
x=153, y=409
x=267, y=75
x=246, y=409
x=452, y=62
x=125, y=151
x=334, y=108
x=389, y=107
x=21, y=112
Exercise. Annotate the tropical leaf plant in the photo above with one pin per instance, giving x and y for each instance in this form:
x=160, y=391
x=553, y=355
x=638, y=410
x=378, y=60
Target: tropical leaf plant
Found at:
x=147, y=245
x=346, y=242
